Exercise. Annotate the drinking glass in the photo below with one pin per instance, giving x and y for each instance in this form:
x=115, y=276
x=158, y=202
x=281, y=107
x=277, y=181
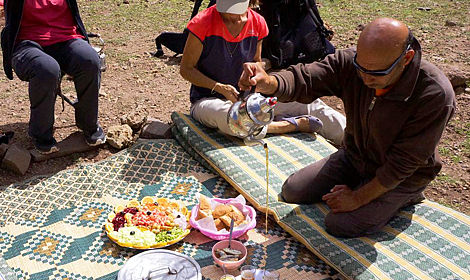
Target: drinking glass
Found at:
x=271, y=274
x=227, y=277
x=248, y=272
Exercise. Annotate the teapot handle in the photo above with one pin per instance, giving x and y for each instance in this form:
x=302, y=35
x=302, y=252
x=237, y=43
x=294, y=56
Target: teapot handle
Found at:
x=246, y=93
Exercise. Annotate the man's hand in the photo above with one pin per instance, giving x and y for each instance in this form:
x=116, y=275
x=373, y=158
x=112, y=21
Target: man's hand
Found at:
x=228, y=91
x=341, y=199
x=254, y=75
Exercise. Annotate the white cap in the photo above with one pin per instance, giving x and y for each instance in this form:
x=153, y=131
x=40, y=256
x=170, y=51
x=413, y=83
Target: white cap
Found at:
x=237, y=7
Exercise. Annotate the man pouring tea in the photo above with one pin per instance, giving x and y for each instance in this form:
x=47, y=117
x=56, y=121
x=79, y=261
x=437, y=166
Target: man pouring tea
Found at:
x=397, y=106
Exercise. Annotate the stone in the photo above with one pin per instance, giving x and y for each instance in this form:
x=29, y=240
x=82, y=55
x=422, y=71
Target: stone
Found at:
x=156, y=129
x=16, y=159
x=120, y=136
x=450, y=23
x=427, y=9
x=456, y=76
x=135, y=119
x=459, y=90
x=3, y=150
x=74, y=143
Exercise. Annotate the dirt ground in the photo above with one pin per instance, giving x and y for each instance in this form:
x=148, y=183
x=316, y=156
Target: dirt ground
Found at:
x=154, y=84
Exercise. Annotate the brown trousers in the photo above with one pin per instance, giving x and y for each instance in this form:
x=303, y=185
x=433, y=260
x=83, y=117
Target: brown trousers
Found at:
x=309, y=184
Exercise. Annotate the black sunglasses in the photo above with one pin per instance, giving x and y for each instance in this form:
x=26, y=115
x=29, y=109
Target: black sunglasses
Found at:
x=380, y=72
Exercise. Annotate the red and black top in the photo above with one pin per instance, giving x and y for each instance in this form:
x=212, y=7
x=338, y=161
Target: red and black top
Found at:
x=223, y=55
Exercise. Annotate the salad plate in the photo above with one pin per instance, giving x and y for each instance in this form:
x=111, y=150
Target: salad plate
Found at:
x=153, y=222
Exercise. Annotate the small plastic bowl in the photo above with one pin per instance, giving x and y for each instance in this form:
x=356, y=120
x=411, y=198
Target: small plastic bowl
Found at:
x=229, y=265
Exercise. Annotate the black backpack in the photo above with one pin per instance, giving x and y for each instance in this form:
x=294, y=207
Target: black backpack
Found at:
x=296, y=32
x=173, y=40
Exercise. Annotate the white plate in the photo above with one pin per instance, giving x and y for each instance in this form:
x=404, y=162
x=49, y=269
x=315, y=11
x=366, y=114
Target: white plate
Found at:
x=139, y=266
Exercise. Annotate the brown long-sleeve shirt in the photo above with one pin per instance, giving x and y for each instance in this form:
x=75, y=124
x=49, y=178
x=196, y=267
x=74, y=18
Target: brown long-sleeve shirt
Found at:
x=393, y=137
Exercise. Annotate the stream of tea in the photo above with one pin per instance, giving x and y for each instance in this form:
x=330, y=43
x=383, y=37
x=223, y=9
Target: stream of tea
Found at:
x=250, y=274
x=265, y=146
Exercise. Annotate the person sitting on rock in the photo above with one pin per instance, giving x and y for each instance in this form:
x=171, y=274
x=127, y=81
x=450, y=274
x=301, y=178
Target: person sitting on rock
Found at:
x=222, y=38
x=41, y=40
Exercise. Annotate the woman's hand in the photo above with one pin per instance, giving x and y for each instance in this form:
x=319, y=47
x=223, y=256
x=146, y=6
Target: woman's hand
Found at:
x=254, y=75
x=228, y=91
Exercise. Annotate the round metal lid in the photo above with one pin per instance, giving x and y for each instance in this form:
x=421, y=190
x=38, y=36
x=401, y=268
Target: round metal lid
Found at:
x=160, y=264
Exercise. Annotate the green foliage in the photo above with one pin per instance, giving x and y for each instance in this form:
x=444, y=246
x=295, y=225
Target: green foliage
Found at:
x=345, y=16
x=444, y=178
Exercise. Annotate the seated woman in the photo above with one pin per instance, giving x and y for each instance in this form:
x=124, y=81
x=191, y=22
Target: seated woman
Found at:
x=42, y=39
x=221, y=39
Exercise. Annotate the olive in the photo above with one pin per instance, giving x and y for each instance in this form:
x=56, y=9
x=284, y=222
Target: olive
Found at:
x=148, y=212
x=155, y=203
x=132, y=232
x=178, y=216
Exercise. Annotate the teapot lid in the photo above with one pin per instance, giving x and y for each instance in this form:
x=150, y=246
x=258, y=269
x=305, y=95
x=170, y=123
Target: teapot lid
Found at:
x=162, y=265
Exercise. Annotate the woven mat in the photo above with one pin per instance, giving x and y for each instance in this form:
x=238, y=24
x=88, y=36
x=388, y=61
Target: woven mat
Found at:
x=425, y=241
x=52, y=226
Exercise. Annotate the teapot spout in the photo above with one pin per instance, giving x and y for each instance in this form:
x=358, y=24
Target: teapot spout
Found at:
x=252, y=141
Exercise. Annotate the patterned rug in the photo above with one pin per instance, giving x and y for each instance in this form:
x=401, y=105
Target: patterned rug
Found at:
x=52, y=226
x=425, y=241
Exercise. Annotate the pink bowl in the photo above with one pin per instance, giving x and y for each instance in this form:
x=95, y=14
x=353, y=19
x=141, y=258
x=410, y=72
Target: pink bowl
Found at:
x=236, y=232
x=237, y=245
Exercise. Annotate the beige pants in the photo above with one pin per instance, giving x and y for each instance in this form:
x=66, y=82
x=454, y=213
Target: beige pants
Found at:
x=212, y=112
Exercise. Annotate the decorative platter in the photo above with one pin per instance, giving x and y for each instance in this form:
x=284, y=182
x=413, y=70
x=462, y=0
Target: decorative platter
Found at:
x=153, y=222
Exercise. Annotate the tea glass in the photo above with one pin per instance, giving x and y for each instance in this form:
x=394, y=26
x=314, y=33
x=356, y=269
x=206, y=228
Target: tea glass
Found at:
x=227, y=277
x=247, y=272
x=271, y=274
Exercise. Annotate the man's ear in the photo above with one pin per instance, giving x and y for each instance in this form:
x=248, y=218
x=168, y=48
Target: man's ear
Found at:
x=409, y=57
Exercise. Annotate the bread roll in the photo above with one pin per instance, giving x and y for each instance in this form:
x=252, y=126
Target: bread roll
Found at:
x=204, y=208
x=219, y=225
x=221, y=210
x=226, y=220
x=236, y=215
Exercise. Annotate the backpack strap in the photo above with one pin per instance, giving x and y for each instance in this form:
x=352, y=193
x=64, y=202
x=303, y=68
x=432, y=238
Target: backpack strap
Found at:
x=271, y=44
x=197, y=5
x=315, y=14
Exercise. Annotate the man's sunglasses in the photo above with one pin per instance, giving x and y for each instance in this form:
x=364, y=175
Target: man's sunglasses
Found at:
x=380, y=72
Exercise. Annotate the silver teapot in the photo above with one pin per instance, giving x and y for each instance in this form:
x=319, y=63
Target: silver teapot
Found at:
x=248, y=117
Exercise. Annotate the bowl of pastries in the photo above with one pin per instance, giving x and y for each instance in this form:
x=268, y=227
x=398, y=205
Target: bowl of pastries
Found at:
x=212, y=217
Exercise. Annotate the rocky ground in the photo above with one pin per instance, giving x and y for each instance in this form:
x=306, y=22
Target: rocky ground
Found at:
x=134, y=80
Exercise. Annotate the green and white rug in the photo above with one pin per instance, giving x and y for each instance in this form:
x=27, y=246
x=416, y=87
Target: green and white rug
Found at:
x=425, y=241
x=51, y=227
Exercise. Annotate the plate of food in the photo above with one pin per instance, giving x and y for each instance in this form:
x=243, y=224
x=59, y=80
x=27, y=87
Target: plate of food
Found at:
x=153, y=222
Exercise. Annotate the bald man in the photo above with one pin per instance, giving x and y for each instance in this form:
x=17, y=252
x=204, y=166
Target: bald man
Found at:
x=397, y=106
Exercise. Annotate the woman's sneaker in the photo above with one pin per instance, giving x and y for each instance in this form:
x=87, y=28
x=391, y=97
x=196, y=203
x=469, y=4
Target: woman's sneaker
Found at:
x=45, y=147
x=96, y=137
